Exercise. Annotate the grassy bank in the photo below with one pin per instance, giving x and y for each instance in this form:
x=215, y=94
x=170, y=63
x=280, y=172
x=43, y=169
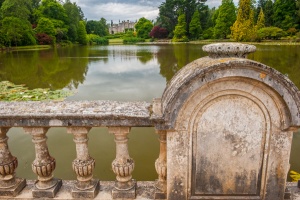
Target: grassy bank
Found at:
x=27, y=48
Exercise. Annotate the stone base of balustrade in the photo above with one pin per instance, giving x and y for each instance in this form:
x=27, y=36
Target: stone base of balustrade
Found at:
x=49, y=193
x=15, y=190
x=125, y=194
x=144, y=190
x=87, y=194
x=159, y=194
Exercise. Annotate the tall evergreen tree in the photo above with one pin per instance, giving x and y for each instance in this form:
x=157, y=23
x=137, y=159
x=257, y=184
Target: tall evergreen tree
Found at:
x=261, y=20
x=170, y=10
x=195, y=26
x=298, y=13
x=284, y=13
x=180, y=30
x=243, y=27
x=268, y=11
x=225, y=19
x=261, y=4
x=82, y=35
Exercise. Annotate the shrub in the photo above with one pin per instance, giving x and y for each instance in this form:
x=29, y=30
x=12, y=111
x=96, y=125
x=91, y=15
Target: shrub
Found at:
x=159, y=32
x=96, y=39
x=43, y=38
x=274, y=33
x=208, y=33
x=291, y=31
x=132, y=40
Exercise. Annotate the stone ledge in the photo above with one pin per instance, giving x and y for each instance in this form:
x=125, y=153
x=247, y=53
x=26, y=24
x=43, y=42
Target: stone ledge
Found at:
x=75, y=113
x=145, y=190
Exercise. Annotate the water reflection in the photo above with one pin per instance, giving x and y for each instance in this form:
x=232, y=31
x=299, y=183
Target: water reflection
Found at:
x=54, y=69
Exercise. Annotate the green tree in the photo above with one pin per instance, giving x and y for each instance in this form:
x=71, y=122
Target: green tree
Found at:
x=261, y=20
x=284, y=14
x=82, y=35
x=17, y=32
x=143, y=28
x=74, y=16
x=268, y=11
x=195, y=26
x=243, y=27
x=54, y=11
x=298, y=12
x=97, y=27
x=45, y=25
x=16, y=8
x=225, y=19
x=170, y=10
x=180, y=30
x=16, y=28
x=261, y=4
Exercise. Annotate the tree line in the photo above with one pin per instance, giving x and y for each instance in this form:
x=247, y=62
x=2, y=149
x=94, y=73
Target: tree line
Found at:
x=30, y=22
x=265, y=19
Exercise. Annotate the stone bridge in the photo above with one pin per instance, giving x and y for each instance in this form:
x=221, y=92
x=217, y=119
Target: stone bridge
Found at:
x=225, y=125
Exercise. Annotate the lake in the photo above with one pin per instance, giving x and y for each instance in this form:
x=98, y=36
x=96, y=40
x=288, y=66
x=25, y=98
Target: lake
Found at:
x=115, y=72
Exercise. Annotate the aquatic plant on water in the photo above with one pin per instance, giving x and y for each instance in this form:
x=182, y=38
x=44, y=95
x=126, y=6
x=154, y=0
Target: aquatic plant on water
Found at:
x=12, y=92
x=295, y=176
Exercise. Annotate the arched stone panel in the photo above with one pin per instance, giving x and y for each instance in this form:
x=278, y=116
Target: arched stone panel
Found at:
x=229, y=123
x=226, y=144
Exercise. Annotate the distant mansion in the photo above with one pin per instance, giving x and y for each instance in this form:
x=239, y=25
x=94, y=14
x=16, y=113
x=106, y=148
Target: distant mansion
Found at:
x=121, y=27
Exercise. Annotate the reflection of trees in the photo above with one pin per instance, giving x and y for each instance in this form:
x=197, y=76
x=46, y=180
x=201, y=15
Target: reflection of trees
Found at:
x=173, y=57
x=285, y=59
x=96, y=55
x=144, y=56
x=53, y=68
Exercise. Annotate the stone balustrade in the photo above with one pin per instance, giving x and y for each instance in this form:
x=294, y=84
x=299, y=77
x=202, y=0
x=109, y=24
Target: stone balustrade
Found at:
x=224, y=124
x=78, y=117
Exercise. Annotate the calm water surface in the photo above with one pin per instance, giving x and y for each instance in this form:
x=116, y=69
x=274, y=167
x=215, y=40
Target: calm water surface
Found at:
x=125, y=73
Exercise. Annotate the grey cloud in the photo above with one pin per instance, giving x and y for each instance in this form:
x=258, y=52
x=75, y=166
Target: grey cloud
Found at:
x=126, y=9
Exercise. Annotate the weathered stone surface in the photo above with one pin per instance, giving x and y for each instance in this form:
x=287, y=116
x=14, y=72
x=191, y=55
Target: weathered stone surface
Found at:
x=9, y=184
x=43, y=165
x=47, y=193
x=230, y=123
x=124, y=194
x=207, y=70
x=74, y=113
x=144, y=190
x=161, y=166
x=14, y=190
x=90, y=193
x=223, y=50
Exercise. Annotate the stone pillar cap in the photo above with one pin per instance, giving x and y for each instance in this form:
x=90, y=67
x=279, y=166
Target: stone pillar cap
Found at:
x=230, y=49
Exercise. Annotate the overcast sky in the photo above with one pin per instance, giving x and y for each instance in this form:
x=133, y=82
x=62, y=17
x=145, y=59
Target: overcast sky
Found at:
x=125, y=9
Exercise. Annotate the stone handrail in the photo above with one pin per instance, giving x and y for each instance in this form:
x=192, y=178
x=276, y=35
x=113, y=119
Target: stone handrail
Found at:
x=75, y=113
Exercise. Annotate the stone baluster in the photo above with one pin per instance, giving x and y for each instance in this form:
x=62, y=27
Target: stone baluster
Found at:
x=9, y=184
x=43, y=165
x=83, y=165
x=123, y=165
x=161, y=167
